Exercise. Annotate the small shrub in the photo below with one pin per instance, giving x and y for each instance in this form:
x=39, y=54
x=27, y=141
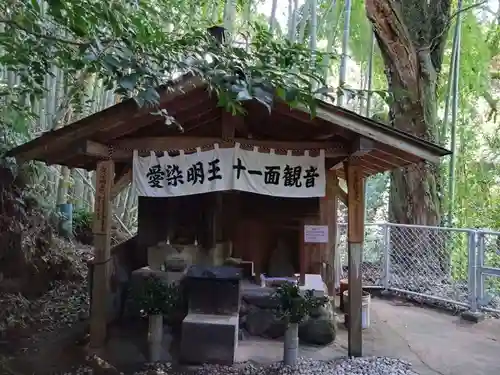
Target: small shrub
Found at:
x=82, y=226
x=155, y=297
x=82, y=219
x=293, y=305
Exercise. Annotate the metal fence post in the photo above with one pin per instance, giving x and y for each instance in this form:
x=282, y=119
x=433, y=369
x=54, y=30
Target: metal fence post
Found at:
x=479, y=268
x=386, y=264
x=471, y=266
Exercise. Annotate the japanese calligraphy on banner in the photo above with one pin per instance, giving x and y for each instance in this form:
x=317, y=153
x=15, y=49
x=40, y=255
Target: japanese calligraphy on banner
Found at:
x=230, y=169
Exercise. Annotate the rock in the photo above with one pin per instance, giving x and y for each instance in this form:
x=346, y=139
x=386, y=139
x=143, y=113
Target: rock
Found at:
x=243, y=308
x=280, y=262
x=261, y=297
x=339, y=366
x=242, y=334
x=276, y=329
x=263, y=323
x=158, y=253
x=325, y=311
x=258, y=321
x=474, y=317
x=317, y=331
x=177, y=262
x=243, y=320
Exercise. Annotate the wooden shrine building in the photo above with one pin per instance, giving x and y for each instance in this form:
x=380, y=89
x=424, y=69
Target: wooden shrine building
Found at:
x=353, y=147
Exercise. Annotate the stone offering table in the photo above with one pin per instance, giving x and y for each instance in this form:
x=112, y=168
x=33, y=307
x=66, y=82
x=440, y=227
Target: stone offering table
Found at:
x=210, y=330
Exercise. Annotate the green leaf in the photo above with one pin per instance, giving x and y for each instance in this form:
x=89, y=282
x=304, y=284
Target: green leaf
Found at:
x=129, y=82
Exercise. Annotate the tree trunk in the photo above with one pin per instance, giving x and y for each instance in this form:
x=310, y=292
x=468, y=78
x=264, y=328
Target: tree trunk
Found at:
x=90, y=192
x=78, y=189
x=63, y=186
x=411, y=37
x=128, y=206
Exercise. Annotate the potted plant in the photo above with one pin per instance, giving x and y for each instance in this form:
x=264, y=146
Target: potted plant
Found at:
x=293, y=307
x=154, y=298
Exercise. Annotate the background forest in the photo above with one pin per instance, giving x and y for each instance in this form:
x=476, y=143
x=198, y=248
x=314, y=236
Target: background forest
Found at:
x=431, y=68
x=61, y=61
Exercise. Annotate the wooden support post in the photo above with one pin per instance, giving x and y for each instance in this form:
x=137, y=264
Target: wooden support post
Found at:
x=355, y=237
x=310, y=253
x=102, y=246
x=302, y=254
x=328, y=217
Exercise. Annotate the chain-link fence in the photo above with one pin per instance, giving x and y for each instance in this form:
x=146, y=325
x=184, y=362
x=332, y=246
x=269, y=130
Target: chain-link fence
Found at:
x=487, y=275
x=373, y=251
x=448, y=266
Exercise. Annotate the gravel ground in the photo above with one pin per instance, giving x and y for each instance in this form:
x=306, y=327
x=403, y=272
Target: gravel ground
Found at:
x=354, y=366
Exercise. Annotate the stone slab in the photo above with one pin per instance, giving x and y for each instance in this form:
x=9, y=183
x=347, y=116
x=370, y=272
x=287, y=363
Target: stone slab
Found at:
x=312, y=282
x=168, y=277
x=315, y=283
x=147, y=271
x=473, y=316
x=209, y=339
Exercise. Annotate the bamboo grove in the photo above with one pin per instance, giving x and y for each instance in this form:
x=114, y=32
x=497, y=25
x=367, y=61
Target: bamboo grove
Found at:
x=63, y=60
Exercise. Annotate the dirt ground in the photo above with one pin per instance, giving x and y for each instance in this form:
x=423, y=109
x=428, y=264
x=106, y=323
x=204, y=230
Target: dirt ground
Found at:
x=435, y=342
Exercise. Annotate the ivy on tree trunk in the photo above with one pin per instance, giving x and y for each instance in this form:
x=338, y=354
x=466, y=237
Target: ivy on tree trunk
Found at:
x=411, y=35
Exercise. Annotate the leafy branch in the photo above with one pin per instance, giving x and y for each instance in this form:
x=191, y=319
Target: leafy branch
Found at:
x=133, y=52
x=293, y=305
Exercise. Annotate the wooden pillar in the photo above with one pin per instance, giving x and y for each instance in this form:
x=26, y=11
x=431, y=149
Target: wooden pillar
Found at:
x=102, y=246
x=328, y=217
x=310, y=253
x=302, y=253
x=355, y=237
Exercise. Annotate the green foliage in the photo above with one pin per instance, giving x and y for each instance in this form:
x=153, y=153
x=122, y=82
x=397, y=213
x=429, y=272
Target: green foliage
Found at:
x=294, y=305
x=135, y=48
x=154, y=297
x=82, y=220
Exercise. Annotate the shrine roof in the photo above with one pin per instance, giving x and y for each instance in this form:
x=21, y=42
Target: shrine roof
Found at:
x=199, y=122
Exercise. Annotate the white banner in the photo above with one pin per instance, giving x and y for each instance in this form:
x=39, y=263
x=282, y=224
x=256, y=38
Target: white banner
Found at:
x=230, y=169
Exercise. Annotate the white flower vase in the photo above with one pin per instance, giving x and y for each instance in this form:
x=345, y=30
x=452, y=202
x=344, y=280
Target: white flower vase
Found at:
x=155, y=336
x=291, y=345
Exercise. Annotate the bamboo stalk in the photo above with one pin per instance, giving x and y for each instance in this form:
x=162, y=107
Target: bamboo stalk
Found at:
x=89, y=184
x=345, y=50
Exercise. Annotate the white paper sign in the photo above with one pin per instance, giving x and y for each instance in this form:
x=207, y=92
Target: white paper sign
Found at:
x=316, y=233
x=229, y=169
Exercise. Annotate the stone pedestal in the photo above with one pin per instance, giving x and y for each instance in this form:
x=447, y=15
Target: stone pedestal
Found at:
x=210, y=330
x=208, y=338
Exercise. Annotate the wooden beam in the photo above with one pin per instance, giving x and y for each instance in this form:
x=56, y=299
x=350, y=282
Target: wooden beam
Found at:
x=108, y=119
x=385, y=137
x=360, y=146
x=402, y=157
x=341, y=193
x=328, y=217
x=302, y=253
x=121, y=181
x=355, y=238
x=305, y=118
x=101, y=151
x=381, y=163
x=102, y=249
x=333, y=149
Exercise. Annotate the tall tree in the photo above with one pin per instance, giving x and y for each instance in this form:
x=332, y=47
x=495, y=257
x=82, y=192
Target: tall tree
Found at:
x=411, y=35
